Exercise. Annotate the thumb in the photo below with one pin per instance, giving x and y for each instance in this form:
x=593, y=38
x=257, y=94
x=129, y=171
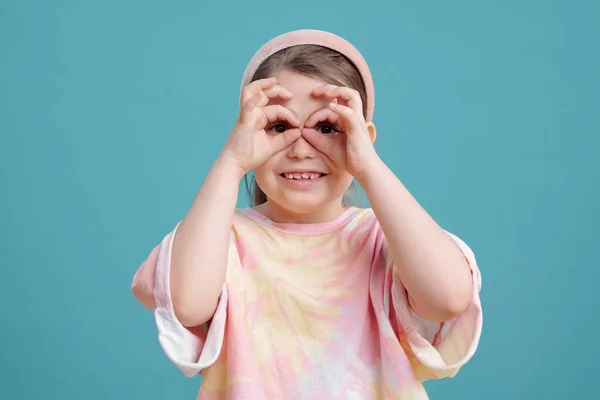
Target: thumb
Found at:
x=318, y=141
x=285, y=139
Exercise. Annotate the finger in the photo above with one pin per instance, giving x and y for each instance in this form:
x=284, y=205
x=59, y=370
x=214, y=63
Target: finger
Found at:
x=283, y=140
x=319, y=141
x=349, y=97
x=323, y=115
x=319, y=90
x=278, y=91
x=258, y=85
x=278, y=112
x=350, y=117
x=260, y=99
x=248, y=107
x=273, y=93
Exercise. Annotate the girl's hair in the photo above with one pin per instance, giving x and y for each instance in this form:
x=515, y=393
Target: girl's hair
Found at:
x=322, y=63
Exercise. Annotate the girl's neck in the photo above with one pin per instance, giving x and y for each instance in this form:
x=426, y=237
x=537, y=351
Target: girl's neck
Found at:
x=326, y=213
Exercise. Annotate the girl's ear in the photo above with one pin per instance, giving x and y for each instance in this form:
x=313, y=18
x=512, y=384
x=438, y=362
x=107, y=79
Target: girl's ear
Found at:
x=372, y=131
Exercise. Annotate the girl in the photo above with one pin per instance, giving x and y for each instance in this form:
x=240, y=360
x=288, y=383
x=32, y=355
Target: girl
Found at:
x=304, y=296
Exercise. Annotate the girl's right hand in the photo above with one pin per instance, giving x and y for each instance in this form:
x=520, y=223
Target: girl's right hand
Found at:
x=254, y=138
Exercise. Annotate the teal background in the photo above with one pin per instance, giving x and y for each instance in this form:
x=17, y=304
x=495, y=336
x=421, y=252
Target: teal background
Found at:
x=112, y=112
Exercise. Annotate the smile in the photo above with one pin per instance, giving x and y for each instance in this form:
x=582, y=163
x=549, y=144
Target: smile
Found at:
x=302, y=178
x=302, y=175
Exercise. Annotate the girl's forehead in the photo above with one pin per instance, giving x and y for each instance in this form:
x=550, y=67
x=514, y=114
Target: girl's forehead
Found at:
x=303, y=103
x=293, y=80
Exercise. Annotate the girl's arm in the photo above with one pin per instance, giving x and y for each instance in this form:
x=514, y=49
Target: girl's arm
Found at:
x=201, y=245
x=431, y=266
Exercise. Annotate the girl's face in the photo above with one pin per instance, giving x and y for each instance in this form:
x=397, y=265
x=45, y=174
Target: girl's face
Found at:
x=301, y=183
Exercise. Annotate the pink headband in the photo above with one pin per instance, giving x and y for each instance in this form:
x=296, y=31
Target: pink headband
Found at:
x=321, y=38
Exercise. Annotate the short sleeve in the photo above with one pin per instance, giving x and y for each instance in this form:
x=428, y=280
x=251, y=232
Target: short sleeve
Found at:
x=439, y=350
x=190, y=349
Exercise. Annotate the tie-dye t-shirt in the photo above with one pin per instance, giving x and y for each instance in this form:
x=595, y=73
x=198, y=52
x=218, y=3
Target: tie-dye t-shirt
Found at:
x=311, y=311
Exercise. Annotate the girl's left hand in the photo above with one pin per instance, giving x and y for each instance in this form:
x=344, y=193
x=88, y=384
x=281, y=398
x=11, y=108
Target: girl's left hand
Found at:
x=340, y=131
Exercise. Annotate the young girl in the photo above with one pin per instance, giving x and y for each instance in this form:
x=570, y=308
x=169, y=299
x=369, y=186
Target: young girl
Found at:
x=303, y=296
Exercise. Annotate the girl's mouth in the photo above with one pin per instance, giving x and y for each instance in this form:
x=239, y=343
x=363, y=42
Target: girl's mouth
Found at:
x=302, y=175
x=302, y=179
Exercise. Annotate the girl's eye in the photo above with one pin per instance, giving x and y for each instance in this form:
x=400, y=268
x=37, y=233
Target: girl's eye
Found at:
x=327, y=129
x=278, y=127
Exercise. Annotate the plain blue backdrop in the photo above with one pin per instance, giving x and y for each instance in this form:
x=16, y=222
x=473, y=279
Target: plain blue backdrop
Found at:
x=111, y=113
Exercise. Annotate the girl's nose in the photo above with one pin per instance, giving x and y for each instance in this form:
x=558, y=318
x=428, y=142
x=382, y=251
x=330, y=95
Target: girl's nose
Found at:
x=301, y=149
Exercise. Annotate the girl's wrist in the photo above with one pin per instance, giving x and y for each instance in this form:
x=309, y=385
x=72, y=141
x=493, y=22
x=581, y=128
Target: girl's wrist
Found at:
x=372, y=169
x=230, y=166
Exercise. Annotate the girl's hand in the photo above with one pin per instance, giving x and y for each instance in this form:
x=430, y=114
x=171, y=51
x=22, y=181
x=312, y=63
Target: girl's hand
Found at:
x=340, y=130
x=254, y=138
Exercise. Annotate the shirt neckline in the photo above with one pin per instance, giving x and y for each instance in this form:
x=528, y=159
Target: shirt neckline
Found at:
x=318, y=228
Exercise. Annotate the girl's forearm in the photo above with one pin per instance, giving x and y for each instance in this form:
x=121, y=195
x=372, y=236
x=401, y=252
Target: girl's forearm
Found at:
x=429, y=263
x=201, y=245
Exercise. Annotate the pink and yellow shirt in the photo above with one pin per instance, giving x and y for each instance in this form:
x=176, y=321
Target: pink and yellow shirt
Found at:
x=311, y=311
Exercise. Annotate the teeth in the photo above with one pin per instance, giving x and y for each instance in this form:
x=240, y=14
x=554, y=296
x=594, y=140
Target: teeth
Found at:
x=302, y=176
